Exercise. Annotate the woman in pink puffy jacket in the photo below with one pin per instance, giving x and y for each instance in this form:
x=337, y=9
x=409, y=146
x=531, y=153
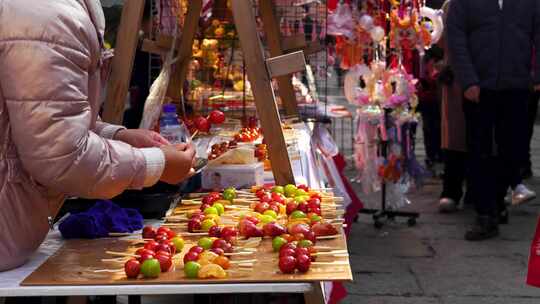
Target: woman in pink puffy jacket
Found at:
x=51, y=141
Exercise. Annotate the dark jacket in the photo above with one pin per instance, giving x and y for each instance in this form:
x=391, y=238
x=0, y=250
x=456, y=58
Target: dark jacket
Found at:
x=491, y=47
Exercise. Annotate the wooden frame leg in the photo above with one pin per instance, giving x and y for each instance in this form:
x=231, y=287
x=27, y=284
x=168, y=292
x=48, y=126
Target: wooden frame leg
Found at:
x=316, y=295
x=122, y=63
x=261, y=85
x=77, y=300
x=134, y=299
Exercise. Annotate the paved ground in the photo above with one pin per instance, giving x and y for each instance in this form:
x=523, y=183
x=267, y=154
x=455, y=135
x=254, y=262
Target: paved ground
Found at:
x=432, y=263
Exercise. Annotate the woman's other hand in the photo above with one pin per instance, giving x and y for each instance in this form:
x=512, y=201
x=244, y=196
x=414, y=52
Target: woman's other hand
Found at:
x=140, y=138
x=179, y=162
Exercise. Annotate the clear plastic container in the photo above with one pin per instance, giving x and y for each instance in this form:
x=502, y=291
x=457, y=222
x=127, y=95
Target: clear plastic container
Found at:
x=171, y=127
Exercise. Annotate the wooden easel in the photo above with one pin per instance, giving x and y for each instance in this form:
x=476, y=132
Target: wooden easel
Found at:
x=278, y=46
x=259, y=69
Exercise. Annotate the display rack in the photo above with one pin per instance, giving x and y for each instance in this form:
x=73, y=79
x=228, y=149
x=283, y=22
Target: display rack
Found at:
x=382, y=213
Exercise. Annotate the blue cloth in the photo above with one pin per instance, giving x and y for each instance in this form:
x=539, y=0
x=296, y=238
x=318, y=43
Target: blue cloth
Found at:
x=104, y=217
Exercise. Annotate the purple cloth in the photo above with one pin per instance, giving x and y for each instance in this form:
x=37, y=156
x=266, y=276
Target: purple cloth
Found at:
x=104, y=217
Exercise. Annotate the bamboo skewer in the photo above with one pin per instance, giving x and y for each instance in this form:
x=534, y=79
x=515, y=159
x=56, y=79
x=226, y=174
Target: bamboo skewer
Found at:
x=334, y=263
x=122, y=254
x=115, y=260
x=246, y=265
x=332, y=253
x=109, y=270
x=120, y=233
x=243, y=261
x=328, y=237
x=239, y=253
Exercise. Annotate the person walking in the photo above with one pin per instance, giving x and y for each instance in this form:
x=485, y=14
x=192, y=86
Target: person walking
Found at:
x=490, y=45
x=429, y=106
x=452, y=133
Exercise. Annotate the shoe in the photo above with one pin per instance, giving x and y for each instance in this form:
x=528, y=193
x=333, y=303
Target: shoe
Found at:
x=486, y=227
x=447, y=205
x=522, y=194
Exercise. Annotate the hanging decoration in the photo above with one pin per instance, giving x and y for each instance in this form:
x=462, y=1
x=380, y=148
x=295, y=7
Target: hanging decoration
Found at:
x=373, y=38
x=404, y=26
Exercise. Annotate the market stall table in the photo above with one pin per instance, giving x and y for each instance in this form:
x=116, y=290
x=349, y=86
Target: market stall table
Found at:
x=10, y=283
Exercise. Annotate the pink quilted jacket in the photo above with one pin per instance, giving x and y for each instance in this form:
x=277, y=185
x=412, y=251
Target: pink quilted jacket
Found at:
x=51, y=142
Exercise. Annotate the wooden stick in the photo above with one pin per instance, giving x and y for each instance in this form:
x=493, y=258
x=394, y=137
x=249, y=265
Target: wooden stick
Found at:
x=123, y=254
x=325, y=248
x=239, y=253
x=190, y=203
x=331, y=253
x=175, y=221
x=109, y=270
x=195, y=233
x=243, y=261
x=121, y=233
x=344, y=263
x=248, y=265
x=246, y=248
x=328, y=237
x=181, y=211
x=174, y=225
x=116, y=260
x=333, y=199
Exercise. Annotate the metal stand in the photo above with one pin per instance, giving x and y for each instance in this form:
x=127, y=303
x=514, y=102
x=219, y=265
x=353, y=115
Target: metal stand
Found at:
x=382, y=213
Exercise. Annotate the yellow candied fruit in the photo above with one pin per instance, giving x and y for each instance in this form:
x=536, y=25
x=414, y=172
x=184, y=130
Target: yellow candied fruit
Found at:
x=212, y=271
x=207, y=257
x=213, y=217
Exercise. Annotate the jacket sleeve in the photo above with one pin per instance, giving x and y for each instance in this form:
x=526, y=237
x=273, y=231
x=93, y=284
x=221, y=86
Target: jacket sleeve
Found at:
x=457, y=38
x=45, y=86
x=107, y=130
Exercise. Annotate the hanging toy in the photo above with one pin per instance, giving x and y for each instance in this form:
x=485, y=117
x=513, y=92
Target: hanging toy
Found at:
x=341, y=22
x=353, y=93
x=377, y=34
x=366, y=22
x=390, y=169
x=436, y=25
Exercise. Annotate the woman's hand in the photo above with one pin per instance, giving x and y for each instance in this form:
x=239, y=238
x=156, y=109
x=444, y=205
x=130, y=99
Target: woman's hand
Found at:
x=473, y=94
x=140, y=138
x=179, y=162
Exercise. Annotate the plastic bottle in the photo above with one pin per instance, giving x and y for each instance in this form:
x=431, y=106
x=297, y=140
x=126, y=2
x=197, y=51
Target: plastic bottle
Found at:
x=170, y=126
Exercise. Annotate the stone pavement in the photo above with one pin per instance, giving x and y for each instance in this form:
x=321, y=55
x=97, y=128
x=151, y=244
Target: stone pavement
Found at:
x=432, y=263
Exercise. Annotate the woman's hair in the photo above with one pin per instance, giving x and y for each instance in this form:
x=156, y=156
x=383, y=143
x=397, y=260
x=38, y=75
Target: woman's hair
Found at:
x=444, y=8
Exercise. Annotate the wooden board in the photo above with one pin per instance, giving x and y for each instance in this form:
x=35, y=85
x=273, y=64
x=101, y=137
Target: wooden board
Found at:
x=286, y=64
x=76, y=261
